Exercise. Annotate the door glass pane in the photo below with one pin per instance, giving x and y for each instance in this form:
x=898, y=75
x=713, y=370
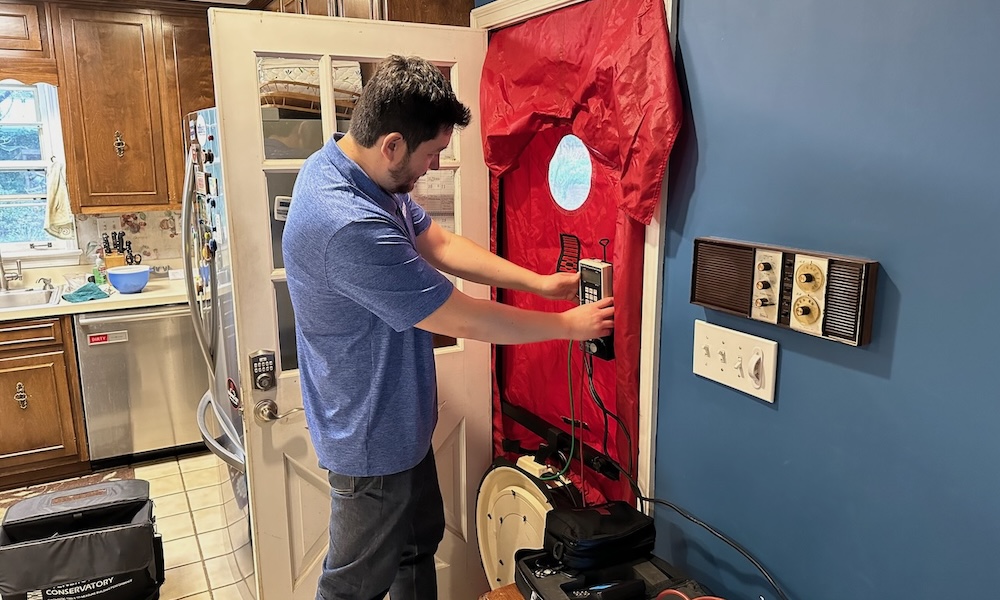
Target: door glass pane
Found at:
x=279, y=197
x=289, y=106
x=286, y=327
x=347, y=82
x=435, y=192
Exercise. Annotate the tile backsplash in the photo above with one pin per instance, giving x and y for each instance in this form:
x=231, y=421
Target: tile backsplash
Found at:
x=152, y=233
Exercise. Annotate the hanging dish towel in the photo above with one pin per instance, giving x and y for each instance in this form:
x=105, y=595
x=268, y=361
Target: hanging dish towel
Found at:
x=58, y=216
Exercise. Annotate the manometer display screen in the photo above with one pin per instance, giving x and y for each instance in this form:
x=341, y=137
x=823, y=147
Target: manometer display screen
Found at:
x=590, y=276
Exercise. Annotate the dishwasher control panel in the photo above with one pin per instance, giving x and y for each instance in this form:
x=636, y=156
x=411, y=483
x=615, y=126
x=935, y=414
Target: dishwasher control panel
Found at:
x=262, y=367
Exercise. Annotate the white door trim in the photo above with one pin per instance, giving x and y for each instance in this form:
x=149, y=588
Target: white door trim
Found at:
x=503, y=13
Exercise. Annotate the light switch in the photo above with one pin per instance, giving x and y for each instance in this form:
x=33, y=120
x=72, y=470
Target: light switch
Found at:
x=743, y=362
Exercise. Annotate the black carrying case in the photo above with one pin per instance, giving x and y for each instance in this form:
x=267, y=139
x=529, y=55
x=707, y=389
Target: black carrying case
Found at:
x=538, y=576
x=96, y=542
x=593, y=536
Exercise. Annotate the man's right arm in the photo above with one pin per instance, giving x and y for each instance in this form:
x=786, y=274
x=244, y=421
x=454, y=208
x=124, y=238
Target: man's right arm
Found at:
x=462, y=316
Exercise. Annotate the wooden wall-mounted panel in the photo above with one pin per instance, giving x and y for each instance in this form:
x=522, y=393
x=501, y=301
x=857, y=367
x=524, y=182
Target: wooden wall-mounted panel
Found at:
x=26, y=43
x=186, y=85
x=20, y=27
x=112, y=120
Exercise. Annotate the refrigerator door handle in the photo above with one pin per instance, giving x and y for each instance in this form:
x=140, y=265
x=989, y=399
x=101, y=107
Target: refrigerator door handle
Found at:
x=213, y=445
x=187, y=212
x=213, y=310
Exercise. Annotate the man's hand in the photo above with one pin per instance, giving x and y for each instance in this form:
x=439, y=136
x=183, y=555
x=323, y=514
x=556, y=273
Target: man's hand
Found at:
x=593, y=320
x=559, y=286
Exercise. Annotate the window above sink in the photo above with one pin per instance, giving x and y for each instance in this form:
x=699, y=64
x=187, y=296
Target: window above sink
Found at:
x=30, y=143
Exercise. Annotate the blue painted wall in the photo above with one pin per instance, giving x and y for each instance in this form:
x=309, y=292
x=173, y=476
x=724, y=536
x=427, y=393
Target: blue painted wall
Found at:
x=863, y=128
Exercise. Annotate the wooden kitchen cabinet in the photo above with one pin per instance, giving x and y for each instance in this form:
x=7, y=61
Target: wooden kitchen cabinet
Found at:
x=186, y=85
x=41, y=413
x=127, y=79
x=21, y=26
x=26, y=43
x=440, y=12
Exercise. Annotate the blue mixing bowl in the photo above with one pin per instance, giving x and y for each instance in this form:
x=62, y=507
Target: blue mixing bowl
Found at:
x=130, y=279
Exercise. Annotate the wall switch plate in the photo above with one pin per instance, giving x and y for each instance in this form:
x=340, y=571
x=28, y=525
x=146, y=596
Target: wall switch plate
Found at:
x=743, y=362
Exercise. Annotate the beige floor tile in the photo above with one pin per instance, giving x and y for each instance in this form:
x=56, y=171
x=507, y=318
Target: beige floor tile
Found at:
x=221, y=572
x=230, y=592
x=213, y=543
x=164, y=486
x=175, y=527
x=201, y=478
x=209, y=519
x=180, y=552
x=174, y=504
x=157, y=469
x=194, y=463
x=201, y=596
x=204, y=497
x=182, y=582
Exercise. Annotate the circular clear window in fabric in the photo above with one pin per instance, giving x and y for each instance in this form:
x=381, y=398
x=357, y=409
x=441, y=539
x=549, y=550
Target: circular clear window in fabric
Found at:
x=569, y=173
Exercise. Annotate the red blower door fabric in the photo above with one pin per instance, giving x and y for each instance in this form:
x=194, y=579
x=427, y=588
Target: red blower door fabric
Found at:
x=601, y=71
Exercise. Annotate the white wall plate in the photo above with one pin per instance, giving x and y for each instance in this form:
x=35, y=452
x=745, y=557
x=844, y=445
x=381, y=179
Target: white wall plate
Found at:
x=743, y=362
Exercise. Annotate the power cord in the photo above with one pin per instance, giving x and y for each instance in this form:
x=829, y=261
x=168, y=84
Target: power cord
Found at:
x=572, y=420
x=588, y=363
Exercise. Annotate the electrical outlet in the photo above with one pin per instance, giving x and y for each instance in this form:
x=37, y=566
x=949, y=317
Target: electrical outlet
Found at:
x=108, y=224
x=743, y=362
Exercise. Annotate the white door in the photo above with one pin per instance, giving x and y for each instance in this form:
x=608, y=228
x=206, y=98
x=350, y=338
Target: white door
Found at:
x=290, y=75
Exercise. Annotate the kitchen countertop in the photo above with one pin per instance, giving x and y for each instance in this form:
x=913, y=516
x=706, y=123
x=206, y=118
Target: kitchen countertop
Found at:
x=160, y=291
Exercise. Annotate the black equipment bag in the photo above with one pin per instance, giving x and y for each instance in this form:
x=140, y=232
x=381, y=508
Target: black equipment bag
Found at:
x=594, y=536
x=96, y=543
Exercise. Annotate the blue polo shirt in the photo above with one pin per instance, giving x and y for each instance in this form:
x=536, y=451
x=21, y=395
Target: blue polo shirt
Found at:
x=358, y=286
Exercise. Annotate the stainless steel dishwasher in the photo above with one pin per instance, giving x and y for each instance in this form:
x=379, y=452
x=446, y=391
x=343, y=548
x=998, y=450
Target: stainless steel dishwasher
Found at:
x=142, y=375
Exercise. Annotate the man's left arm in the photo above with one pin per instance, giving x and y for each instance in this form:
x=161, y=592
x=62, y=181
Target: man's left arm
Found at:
x=464, y=258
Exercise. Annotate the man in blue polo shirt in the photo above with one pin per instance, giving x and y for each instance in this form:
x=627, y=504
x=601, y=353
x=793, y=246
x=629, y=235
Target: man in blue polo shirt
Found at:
x=363, y=265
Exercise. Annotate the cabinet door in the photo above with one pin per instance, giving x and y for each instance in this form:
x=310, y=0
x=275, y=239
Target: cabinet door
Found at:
x=185, y=73
x=36, y=419
x=20, y=27
x=112, y=118
x=26, y=43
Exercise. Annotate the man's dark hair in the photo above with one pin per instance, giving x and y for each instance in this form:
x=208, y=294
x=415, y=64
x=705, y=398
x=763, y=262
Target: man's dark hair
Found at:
x=407, y=95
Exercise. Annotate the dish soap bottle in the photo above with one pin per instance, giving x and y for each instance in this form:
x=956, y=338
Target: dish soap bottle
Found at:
x=100, y=272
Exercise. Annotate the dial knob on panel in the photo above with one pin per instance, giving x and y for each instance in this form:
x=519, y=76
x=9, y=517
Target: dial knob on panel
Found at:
x=763, y=285
x=809, y=277
x=761, y=302
x=764, y=266
x=806, y=310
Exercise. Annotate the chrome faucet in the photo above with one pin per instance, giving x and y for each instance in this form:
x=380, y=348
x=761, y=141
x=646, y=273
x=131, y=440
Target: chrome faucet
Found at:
x=6, y=278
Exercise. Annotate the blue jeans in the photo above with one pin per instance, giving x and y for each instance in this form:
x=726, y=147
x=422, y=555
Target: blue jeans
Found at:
x=384, y=532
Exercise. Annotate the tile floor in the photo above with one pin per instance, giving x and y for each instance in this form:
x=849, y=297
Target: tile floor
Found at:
x=188, y=503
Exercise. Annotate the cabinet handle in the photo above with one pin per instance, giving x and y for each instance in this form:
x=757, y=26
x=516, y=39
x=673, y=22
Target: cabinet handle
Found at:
x=119, y=144
x=21, y=396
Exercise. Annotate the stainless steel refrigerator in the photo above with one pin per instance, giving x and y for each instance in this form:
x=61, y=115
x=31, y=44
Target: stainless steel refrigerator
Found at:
x=208, y=270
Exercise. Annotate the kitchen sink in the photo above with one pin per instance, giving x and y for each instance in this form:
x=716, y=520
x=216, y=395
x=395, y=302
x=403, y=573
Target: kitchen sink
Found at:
x=20, y=299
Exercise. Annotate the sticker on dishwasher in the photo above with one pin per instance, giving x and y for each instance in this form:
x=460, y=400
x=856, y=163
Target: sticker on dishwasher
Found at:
x=234, y=394
x=108, y=337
